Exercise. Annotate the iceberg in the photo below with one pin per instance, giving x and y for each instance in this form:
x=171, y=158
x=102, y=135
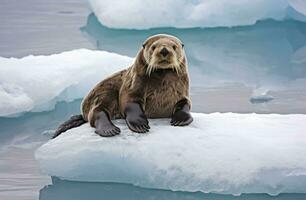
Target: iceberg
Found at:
x=186, y=14
x=219, y=152
x=36, y=83
x=299, y=6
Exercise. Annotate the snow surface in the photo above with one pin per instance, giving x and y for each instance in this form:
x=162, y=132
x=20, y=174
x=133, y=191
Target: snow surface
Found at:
x=144, y=14
x=224, y=153
x=36, y=83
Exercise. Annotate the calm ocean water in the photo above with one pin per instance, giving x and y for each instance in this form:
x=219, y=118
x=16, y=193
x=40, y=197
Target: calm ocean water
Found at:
x=259, y=68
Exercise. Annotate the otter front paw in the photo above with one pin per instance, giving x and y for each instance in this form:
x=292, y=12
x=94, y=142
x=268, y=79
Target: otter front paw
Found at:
x=104, y=126
x=181, y=118
x=107, y=130
x=138, y=124
x=136, y=119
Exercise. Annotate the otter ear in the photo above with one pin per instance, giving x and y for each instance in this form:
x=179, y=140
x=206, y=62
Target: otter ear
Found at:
x=147, y=43
x=144, y=44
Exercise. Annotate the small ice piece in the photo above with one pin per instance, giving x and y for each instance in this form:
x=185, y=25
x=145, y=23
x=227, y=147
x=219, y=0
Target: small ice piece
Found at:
x=48, y=133
x=36, y=83
x=261, y=95
x=222, y=153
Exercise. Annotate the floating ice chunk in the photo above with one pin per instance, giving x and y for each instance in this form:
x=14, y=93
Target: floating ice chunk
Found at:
x=144, y=14
x=225, y=153
x=35, y=83
x=261, y=95
x=261, y=99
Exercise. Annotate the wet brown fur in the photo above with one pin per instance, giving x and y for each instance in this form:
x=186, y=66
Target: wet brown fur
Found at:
x=156, y=87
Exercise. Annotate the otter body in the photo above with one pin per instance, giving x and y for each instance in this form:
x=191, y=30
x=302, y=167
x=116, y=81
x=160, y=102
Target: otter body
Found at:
x=160, y=92
x=155, y=86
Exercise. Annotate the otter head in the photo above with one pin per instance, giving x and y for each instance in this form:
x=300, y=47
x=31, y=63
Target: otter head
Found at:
x=164, y=52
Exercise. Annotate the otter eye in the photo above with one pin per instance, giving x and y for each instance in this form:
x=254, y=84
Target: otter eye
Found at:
x=153, y=47
x=174, y=47
x=183, y=45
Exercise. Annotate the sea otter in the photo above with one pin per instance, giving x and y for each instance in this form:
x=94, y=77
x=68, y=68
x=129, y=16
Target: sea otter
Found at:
x=155, y=86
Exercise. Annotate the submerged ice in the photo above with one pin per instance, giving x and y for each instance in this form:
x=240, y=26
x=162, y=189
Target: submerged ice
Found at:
x=223, y=153
x=186, y=14
x=36, y=83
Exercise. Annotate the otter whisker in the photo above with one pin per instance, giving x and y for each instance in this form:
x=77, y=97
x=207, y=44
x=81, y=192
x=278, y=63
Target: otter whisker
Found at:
x=176, y=68
x=150, y=69
x=173, y=68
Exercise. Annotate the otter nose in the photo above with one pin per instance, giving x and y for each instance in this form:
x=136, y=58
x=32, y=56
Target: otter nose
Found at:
x=164, y=52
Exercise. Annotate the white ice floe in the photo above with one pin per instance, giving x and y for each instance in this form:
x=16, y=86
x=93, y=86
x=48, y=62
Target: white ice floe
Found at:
x=224, y=153
x=144, y=14
x=36, y=83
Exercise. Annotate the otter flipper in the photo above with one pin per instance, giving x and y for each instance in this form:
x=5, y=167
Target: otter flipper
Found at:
x=136, y=119
x=74, y=121
x=181, y=115
x=104, y=126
